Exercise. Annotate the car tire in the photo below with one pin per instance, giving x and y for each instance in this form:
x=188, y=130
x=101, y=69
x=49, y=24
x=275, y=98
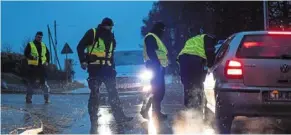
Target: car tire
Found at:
x=223, y=124
x=223, y=118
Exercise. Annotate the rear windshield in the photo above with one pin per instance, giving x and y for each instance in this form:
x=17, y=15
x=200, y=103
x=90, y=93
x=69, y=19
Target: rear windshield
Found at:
x=265, y=46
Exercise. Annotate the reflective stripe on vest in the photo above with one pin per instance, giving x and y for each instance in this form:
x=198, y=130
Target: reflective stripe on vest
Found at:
x=195, y=46
x=161, y=52
x=34, y=53
x=99, y=50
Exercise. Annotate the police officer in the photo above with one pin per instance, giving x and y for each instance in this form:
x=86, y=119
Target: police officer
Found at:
x=197, y=53
x=155, y=56
x=98, y=60
x=38, y=57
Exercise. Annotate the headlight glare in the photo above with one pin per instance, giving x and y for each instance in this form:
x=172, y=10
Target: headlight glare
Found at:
x=146, y=75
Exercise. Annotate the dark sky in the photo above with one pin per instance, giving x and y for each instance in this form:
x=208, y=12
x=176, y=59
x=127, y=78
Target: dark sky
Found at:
x=21, y=20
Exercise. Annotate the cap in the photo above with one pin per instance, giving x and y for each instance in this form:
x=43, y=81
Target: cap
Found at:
x=160, y=25
x=107, y=22
x=39, y=33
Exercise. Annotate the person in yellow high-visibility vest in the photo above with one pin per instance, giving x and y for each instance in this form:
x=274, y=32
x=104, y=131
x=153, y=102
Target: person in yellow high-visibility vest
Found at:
x=38, y=57
x=156, y=60
x=98, y=59
x=198, y=52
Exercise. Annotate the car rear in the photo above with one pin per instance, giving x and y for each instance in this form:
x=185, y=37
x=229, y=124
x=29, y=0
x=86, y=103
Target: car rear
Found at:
x=257, y=75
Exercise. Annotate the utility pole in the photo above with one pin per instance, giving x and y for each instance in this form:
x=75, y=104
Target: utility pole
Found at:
x=55, y=49
x=50, y=44
x=55, y=28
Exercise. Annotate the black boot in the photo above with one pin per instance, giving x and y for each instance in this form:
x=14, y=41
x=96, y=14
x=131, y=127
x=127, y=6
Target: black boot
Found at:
x=46, y=99
x=28, y=99
x=157, y=111
x=94, y=124
x=144, y=114
x=160, y=116
x=145, y=108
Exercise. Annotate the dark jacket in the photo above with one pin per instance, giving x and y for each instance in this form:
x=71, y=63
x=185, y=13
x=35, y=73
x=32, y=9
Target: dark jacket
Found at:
x=152, y=46
x=27, y=52
x=89, y=38
x=209, y=46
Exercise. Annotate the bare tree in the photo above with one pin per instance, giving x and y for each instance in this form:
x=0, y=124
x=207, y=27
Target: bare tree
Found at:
x=24, y=44
x=6, y=47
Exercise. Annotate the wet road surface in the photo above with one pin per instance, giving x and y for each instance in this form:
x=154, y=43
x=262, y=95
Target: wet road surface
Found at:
x=14, y=121
x=67, y=114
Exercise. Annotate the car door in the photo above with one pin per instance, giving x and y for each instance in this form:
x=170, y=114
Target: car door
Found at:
x=210, y=80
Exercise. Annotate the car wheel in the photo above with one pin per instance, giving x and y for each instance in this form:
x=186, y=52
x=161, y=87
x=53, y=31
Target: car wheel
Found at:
x=223, y=124
x=223, y=119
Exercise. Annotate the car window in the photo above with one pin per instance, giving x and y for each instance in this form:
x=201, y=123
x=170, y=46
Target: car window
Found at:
x=265, y=46
x=222, y=50
x=127, y=58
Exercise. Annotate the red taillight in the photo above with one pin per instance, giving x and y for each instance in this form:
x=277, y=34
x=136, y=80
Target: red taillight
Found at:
x=234, y=69
x=251, y=44
x=233, y=63
x=280, y=32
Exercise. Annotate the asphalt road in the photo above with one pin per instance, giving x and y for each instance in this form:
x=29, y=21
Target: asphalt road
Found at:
x=67, y=114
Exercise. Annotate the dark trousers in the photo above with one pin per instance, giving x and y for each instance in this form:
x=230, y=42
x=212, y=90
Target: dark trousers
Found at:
x=97, y=76
x=37, y=79
x=192, y=75
x=157, y=93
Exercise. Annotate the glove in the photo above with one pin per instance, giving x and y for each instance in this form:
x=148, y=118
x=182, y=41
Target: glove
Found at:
x=84, y=65
x=206, y=68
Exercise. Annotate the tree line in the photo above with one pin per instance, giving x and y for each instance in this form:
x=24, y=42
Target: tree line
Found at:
x=221, y=18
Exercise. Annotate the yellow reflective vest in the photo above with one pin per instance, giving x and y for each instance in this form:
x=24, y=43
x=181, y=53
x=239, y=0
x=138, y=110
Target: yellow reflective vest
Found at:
x=34, y=53
x=99, y=50
x=194, y=46
x=161, y=52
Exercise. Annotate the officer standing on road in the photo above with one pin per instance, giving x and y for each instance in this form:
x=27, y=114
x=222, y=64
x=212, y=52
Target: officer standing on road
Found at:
x=155, y=56
x=197, y=53
x=98, y=59
x=38, y=57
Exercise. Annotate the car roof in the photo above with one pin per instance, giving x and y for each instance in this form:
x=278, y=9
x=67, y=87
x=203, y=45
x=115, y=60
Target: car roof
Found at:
x=239, y=35
x=258, y=32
